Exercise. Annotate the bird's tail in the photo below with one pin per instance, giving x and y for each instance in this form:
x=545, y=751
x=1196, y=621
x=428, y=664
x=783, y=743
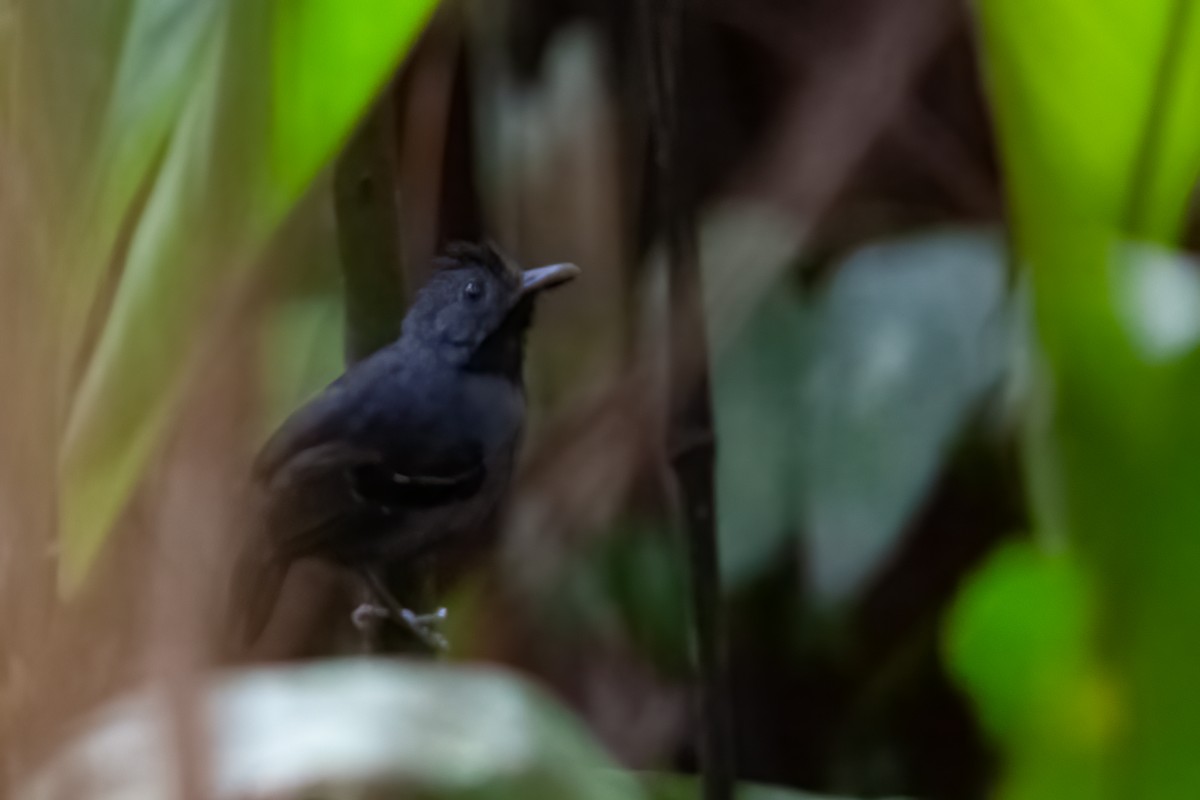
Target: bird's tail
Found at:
x=255, y=586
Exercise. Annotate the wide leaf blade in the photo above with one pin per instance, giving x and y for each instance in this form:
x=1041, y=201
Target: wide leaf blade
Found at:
x=275, y=92
x=905, y=341
x=315, y=730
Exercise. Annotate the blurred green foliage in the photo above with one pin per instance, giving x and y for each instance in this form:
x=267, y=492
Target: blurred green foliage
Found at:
x=756, y=391
x=302, y=334
x=384, y=726
x=909, y=338
x=1097, y=109
x=836, y=408
x=371, y=728
x=633, y=583
x=1020, y=640
x=167, y=173
x=219, y=161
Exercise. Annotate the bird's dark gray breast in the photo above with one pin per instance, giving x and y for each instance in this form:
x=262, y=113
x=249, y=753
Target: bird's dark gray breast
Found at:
x=490, y=411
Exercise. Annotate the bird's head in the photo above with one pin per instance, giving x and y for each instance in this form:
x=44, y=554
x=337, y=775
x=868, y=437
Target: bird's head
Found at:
x=477, y=304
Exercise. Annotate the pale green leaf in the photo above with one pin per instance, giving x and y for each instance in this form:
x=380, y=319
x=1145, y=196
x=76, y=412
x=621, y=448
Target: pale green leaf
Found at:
x=906, y=341
x=128, y=390
x=756, y=396
x=158, y=67
x=321, y=729
x=275, y=90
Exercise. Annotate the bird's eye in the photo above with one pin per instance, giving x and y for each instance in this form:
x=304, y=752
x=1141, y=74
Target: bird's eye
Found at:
x=473, y=290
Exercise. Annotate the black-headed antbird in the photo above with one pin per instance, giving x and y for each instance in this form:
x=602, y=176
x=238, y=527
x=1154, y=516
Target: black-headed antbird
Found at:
x=410, y=450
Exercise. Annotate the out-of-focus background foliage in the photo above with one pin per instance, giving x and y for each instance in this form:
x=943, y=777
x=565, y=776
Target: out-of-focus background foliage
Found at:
x=953, y=314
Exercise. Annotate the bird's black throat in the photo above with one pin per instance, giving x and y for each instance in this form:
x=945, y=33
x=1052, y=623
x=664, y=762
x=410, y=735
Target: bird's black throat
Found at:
x=503, y=351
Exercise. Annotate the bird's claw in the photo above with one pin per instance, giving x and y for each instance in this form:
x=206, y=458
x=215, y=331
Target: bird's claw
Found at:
x=422, y=625
x=433, y=619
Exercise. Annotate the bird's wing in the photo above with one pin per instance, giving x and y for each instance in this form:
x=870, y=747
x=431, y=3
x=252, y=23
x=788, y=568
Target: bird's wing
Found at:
x=333, y=470
x=304, y=505
x=318, y=422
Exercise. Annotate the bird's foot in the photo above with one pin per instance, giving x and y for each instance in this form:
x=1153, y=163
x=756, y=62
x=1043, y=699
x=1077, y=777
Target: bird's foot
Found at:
x=423, y=626
x=366, y=615
x=432, y=619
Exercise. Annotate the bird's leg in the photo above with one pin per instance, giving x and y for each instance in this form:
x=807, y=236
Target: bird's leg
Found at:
x=366, y=619
x=419, y=624
x=368, y=613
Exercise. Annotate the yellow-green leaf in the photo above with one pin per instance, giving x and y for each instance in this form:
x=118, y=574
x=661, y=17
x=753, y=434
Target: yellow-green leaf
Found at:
x=276, y=89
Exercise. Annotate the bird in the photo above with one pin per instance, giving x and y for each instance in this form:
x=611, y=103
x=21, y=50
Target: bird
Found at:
x=410, y=451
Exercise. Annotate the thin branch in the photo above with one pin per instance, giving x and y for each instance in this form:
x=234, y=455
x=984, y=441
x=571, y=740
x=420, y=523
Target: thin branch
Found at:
x=830, y=121
x=369, y=241
x=690, y=429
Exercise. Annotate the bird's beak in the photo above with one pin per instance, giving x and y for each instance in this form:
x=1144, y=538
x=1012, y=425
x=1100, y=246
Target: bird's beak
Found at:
x=535, y=280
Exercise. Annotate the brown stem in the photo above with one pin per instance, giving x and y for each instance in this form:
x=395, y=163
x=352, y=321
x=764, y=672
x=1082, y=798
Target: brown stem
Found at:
x=427, y=97
x=369, y=236
x=369, y=241
x=691, y=441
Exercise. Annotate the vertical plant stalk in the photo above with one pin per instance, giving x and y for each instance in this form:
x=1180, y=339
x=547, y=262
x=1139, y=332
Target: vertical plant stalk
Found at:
x=368, y=222
x=425, y=104
x=691, y=441
x=365, y=188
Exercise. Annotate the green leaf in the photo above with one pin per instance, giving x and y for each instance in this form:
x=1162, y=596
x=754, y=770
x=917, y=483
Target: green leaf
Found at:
x=1094, y=102
x=157, y=67
x=242, y=150
x=1098, y=109
x=1020, y=639
x=1122, y=434
x=325, y=728
x=387, y=728
x=1020, y=635
x=906, y=340
x=643, y=575
x=855, y=395
x=329, y=58
x=756, y=392
x=127, y=391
